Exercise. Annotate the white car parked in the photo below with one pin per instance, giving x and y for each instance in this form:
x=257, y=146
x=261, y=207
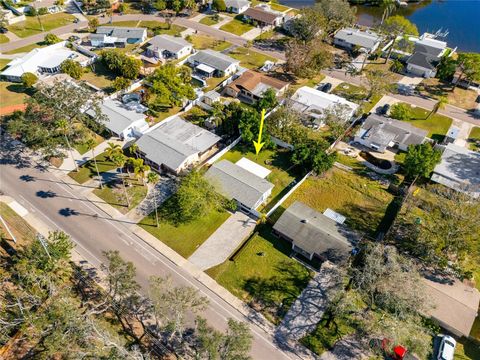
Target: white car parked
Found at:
x=447, y=348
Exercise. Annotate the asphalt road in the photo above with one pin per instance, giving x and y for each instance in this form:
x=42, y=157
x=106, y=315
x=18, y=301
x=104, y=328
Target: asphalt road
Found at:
x=94, y=232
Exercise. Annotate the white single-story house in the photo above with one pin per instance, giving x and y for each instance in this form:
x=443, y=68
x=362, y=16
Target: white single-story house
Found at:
x=348, y=38
x=312, y=103
x=426, y=56
x=237, y=6
x=379, y=133
x=168, y=47
x=113, y=36
x=459, y=169
x=263, y=16
x=250, y=86
x=175, y=145
x=242, y=182
x=208, y=63
x=45, y=60
x=122, y=122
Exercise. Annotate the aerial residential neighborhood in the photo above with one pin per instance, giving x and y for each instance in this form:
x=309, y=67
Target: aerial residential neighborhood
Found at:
x=236, y=179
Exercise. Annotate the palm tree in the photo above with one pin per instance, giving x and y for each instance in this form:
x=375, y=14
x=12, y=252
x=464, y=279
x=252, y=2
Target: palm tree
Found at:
x=388, y=7
x=113, y=150
x=90, y=143
x=119, y=160
x=153, y=178
x=140, y=169
x=134, y=149
x=441, y=103
x=64, y=127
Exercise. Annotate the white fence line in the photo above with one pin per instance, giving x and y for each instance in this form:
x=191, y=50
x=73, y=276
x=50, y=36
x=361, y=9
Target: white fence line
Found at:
x=295, y=187
x=219, y=154
x=132, y=87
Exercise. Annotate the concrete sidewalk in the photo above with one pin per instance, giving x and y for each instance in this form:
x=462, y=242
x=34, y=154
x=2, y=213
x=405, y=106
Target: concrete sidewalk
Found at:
x=223, y=242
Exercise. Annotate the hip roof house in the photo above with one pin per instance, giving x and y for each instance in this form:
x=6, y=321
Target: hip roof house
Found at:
x=459, y=169
x=210, y=63
x=113, y=36
x=313, y=234
x=379, y=133
x=235, y=182
x=426, y=56
x=348, y=38
x=167, y=46
x=175, y=145
x=263, y=17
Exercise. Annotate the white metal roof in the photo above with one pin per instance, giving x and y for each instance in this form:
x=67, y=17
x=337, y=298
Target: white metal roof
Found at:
x=206, y=68
x=253, y=167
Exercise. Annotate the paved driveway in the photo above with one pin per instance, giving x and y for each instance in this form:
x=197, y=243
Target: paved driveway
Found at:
x=223, y=242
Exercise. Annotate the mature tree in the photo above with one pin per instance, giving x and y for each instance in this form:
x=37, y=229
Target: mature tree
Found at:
x=420, y=160
x=310, y=24
x=379, y=82
x=93, y=23
x=171, y=304
x=120, y=83
x=122, y=64
x=194, y=198
x=379, y=271
x=307, y=59
x=249, y=126
x=268, y=100
x=72, y=68
x=401, y=111
x=50, y=39
x=65, y=129
x=389, y=6
x=219, y=5
x=171, y=86
x=396, y=26
x=189, y=4
x=29, y=79
x=153, y=179
x=446, y=68
x=469, y=64
x=160, y=5
x=442, y=101
x=286, y=124
x=312, y=155
x=338, y=14
x=337, y=119
x=119, y=159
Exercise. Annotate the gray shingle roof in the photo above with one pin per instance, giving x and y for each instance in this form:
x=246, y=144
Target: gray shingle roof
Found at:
x=382, y=131
x=121, y=32
x=423, y=60
x=430, y=50
x=174, y=141
x=119, y=118
x=167, y=42
x=235, y=182
x=314, y=233
x=213, y=59
x=357, y=37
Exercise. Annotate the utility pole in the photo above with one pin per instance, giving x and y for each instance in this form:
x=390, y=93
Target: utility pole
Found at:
x=8, y=229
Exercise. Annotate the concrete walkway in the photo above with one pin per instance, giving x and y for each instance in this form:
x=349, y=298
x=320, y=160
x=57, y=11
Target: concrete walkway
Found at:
x=223, y=242
x=225, y=20
x=11, y=36
x=464, y=132
x=252, y=34
x=307, y=311
x=69, y=162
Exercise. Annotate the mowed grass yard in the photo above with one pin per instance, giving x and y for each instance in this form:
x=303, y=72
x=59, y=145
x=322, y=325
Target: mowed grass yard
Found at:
x=156, y=26
x=210, y=20
x=88, y=171
x=249, y=58
x=114, y=194
x=437, y=125
x=184, y=238
x=201, y=42
x=363, y=201
x=356, y=94
x=98, y=75
x=31, y=25
x=3, y=39
x=474, y=138
x=22, y=231
x=264, y=275
x=12, y=94
x=27, y=48
x=277, y=161
x=435, y=88
x=236, y=27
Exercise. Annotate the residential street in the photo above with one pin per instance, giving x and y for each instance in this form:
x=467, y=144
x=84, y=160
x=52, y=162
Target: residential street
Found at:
x=93, y=231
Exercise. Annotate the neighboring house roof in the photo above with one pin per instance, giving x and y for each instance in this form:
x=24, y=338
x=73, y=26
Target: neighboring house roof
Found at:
x=261, y=15
x=383, y=131
x=122, y=32
x=167, y=42
x=455, y=305
x=212, y=95
x=366, y=39
x=307, y=99
x=423, y=60
x=213, y=59
x=314, y=232
x=429, y=50
x=238, y=4
x=173, y=141
x=235, y=182
x=257, y=83
x=119, y=117
x=459, y=169
x=47, y=57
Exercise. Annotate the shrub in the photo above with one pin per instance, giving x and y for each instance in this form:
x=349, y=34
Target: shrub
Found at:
x=50, y=39
x=219, y=5
x=396, y=66
x=72, y=68
x=43, y=11
x=29, y=79
x=401, y=112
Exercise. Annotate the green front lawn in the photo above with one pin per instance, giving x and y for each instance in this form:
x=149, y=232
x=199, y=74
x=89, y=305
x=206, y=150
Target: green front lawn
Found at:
x=82, y=148
x=156, y=26
x=210, y=20
x=264, y=275
x=202, y=42
x=31, y=26
x=3, y=39
x=184, y=238
x=98, y=75
x=474, y=138
x=27, y=48
x=22, y=231
x=437, y=125
x=249, y=58
x=277, y=161
x=236, y=27
x=12, y=93
x=363, y=201
x=114, y=194
x=88, y=171
x=358, y=95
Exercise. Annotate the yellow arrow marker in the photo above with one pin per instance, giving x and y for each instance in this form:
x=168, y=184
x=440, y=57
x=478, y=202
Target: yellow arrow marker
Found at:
x=258, y=144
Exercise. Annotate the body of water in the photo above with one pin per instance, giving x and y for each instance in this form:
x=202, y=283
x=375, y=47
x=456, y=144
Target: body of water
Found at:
x=460, y=17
